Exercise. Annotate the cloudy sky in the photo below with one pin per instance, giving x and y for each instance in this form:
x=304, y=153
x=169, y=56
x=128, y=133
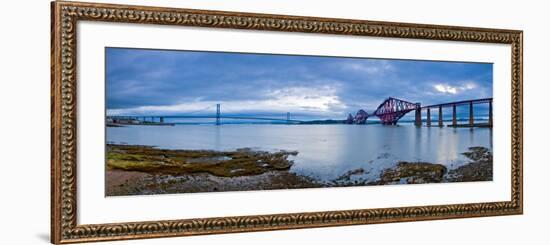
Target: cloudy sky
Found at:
x=159, y=82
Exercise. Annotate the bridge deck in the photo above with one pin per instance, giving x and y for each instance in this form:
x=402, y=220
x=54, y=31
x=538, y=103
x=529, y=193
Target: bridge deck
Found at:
x=463, y=102
x=210, y=117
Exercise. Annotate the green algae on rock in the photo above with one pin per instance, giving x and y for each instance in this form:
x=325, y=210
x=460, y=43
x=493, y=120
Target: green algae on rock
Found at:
x=412, y=173
x=151, y=160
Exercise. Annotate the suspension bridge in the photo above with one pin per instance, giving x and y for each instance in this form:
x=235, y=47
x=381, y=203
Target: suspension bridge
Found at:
x=389, y=112
x=159, y=120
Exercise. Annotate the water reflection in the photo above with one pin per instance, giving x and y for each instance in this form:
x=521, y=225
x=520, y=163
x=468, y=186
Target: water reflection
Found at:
x=325, y=151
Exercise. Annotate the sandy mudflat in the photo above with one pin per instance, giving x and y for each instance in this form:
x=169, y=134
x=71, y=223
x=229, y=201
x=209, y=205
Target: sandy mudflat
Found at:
x=121, y=182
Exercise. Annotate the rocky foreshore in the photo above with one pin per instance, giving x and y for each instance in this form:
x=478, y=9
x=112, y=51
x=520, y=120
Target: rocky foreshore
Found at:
x=139, y=170
x=412, y=173
x=242, y=162
x=480, y=167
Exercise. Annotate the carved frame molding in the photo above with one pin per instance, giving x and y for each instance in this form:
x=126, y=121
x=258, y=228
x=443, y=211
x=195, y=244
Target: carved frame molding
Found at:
x=66, y=15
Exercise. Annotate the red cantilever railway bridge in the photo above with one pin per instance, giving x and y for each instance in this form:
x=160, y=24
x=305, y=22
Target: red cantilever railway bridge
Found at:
x=389, y=112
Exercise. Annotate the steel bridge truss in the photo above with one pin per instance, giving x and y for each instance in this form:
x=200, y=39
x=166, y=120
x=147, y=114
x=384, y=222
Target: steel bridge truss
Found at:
x=392, y=109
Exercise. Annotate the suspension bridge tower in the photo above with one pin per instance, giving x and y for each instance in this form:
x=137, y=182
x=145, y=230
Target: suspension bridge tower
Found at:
x=218, y=114
x=288, y=118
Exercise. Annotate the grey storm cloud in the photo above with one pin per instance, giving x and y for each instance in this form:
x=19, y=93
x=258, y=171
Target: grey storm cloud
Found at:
x=144, y=81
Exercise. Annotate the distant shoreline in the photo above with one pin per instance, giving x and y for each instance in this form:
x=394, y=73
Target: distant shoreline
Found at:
x=118, y=125
x=312, y=122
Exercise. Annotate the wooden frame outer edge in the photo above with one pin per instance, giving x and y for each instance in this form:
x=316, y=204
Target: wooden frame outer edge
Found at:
x=55, y=175
x=65, y=15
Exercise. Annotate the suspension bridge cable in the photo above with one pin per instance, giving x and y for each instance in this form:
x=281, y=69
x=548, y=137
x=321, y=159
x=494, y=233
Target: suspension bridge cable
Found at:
x=203, y=109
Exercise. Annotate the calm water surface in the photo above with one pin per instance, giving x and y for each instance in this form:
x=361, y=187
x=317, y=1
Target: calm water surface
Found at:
x=325, y=151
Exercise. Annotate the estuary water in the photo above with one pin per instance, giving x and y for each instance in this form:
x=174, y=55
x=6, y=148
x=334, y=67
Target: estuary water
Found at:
x=324, y=151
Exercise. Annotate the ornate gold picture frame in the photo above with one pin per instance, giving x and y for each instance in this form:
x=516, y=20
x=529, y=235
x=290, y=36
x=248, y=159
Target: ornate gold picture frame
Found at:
x=64, y=107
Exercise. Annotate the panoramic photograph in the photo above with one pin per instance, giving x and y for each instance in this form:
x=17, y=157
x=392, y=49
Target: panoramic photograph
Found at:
x=199, y=121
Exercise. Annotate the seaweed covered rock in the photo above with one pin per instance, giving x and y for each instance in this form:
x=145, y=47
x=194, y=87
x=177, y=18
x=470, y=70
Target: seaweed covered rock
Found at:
x=151, y=160
x=480, y=167
x=412, y=173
